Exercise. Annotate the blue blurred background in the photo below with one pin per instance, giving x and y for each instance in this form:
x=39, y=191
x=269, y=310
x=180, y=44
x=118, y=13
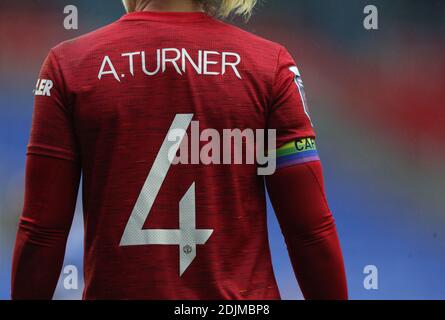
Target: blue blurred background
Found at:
x=378, y=102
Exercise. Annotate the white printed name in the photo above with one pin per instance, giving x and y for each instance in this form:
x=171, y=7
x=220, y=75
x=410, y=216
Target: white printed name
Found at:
x=202, y=62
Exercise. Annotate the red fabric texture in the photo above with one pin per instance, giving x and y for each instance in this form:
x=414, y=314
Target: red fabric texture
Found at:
x=112, y=130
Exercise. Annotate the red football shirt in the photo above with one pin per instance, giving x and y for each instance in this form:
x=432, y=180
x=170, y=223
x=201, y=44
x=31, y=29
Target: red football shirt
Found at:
x=108, y=100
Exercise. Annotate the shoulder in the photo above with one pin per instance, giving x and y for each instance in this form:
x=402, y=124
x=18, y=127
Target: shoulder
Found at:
x=262, y=56
x=85, y=43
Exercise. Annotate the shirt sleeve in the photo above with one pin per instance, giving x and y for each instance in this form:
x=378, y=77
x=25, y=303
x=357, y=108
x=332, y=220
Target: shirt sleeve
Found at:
x=288, y=112
x=52, y=132
x=51, y=186
x=298, y=196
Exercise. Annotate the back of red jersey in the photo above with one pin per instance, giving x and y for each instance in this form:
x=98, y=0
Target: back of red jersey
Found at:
x=123, y=101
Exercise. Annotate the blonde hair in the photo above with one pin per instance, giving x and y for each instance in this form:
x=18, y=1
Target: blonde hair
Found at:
x=220, y=8
x=223, y=8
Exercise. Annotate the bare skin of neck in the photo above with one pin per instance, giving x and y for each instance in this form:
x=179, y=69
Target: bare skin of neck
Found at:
x=169, y=5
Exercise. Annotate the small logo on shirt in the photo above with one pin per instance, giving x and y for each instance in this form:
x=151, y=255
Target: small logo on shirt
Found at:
x=43, y=87
x=299, y=83
x=187, y=249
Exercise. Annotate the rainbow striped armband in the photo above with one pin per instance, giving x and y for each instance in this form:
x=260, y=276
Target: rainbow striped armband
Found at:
x=297, y=152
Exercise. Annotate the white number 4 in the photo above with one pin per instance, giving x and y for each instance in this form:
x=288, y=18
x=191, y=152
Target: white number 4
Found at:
x=187, y=236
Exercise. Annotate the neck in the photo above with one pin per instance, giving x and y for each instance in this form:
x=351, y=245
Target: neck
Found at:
x=169, y=5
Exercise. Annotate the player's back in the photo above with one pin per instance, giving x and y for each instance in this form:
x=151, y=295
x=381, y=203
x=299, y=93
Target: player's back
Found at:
x=154, y=229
